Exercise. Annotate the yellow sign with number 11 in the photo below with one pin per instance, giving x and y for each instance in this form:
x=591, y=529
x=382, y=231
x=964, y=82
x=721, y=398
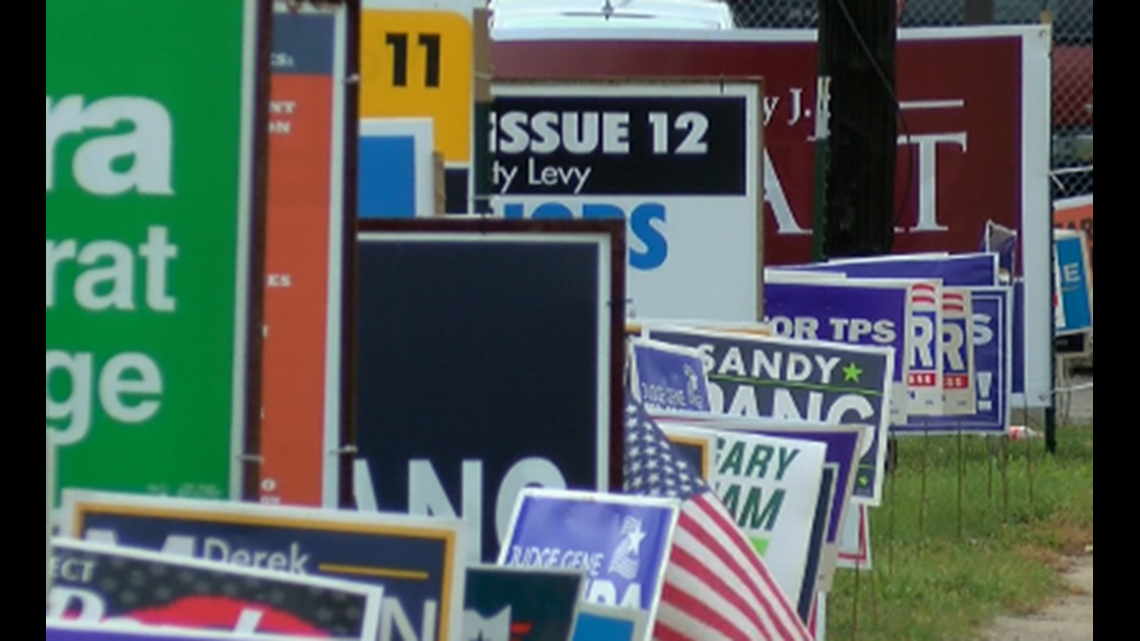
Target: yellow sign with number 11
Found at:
x=416, y=61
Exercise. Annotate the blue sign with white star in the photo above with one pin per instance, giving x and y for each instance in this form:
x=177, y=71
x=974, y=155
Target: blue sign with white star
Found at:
x=621, y=543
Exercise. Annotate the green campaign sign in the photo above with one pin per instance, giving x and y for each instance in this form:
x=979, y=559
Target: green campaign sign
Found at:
x=152, y=119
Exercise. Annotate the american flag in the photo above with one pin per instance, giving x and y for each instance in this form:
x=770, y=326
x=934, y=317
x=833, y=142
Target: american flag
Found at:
x=716, y=587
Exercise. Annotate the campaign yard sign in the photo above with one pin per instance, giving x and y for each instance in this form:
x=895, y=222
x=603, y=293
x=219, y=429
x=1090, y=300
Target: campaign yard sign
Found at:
x=958, y=352
x=395, y=168
x=667, y=377
x=755, y=376
x=108, y=584
x=855, y=545
x=622, y=543
x=507, y=604
x=771, y=487
x=977, y=146
x=309, y=234
x=678, y=160
x=1073, y=275
x=490, y=356
x=993, y=326
x=844, y=444
x=421, y=60
x=418, y=561
x=70, y=631
x=856, y=311
x=153, y=178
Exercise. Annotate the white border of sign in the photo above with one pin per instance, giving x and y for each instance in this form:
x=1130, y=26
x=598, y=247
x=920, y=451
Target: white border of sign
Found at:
x=249, y=120
x=1036, y=100
x=422, y=131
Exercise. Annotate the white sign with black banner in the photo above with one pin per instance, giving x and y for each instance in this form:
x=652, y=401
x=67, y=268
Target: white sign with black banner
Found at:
x=679, y=160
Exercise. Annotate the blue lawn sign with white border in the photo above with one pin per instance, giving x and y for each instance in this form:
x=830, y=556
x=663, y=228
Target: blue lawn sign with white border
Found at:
x=1074, y=286
x=396, y=176
x=668, y=377
x=622, y=543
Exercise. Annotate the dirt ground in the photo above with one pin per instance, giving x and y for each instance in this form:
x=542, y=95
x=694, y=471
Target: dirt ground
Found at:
x=1071, y=618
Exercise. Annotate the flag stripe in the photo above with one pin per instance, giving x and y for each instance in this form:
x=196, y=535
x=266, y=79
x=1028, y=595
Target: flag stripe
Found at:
x=700, y=610
x=716, y=586
x=663, y=632
x=699, y=559
x=700, y=584
x=712, y=534
x=746, y=557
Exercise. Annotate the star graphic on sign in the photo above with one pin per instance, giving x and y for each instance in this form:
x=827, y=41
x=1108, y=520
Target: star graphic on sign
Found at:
x=635, y=539
x=851, y=373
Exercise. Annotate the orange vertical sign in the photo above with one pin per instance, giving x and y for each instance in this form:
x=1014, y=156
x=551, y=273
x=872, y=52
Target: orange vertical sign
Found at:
x=304, y=243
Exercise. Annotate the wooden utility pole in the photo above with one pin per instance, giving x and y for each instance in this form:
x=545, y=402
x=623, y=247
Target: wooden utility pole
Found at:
x=858, y=137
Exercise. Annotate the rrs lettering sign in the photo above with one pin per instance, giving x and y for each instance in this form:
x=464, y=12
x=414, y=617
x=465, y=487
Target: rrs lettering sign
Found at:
x=661, y=156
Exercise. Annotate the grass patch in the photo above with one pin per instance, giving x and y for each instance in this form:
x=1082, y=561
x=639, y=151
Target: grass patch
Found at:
x=942, y=574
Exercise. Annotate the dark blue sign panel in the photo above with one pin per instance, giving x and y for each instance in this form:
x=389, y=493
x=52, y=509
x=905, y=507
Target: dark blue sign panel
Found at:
x=486, y=363
x=418, y=562
x=511, y=605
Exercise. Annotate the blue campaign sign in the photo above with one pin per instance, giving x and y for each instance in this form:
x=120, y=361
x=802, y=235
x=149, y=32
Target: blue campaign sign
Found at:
x=1074, y=283
x=417, y=560
x=621, y=543
x=667, y=377
x=860, y=312
x=396, y=176
x=993, y=365
x=599, y=623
